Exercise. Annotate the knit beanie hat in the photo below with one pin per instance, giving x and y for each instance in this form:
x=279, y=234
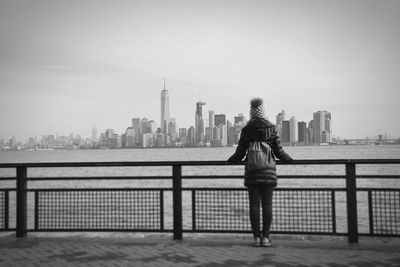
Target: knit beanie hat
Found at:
x=256, y=108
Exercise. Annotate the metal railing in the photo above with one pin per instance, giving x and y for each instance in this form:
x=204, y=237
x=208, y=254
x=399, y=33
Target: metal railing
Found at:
x=304, y=210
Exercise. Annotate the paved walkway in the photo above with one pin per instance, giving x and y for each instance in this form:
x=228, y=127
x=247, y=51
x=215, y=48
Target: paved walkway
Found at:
x=119, y=249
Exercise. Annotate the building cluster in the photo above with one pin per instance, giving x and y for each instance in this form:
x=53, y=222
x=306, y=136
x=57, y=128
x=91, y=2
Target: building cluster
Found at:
x=317, y=131
x=209, y=130
x=144, y=133
x=48, y=142
x=213, y=130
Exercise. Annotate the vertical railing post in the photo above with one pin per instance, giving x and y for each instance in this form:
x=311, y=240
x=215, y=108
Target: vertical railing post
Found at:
x=177, y=200
x=351, y=199
x=21, y=201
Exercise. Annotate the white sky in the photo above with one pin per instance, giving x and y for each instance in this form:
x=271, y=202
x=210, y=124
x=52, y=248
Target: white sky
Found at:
x=68, y=65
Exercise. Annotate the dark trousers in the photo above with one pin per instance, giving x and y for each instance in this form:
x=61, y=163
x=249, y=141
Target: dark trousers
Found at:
x=260, y=194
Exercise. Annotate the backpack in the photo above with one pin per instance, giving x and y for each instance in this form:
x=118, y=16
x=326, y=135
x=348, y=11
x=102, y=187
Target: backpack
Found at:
x=260, y=156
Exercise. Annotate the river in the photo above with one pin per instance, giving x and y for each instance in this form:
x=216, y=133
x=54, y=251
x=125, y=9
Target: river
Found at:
x=199, y=154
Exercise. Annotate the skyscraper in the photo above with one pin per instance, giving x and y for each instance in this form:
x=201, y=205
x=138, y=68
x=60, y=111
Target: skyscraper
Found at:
x=240, y=119
x=211, y=124
x=294, y=133
x=285, y=131
x=211, y=118
x=136, y=128
x=322, y=127
x=164, y=110
x=278, y=124
x=220, y=119
x=303, y=133
x=199, y=123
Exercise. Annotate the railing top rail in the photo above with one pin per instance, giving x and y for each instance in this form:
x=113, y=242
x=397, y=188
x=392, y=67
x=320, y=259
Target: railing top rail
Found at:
x=189, y=163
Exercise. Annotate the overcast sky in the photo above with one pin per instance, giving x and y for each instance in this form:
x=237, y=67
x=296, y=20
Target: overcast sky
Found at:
x=68, y=65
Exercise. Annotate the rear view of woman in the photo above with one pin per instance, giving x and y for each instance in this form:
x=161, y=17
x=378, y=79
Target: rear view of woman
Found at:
x=261, y=181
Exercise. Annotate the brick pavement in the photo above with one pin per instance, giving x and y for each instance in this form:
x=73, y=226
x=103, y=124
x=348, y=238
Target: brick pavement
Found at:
x=118, y=249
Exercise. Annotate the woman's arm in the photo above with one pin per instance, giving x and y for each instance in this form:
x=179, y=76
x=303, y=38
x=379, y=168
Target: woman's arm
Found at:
x=241, y=149
x=278, y=149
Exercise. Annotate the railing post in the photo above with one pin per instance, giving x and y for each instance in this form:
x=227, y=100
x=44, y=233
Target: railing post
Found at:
x=177, y=200
x=351, y=199
x=21, y=201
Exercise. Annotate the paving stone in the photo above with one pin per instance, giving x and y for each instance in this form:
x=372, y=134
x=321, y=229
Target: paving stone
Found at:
x=122, y=251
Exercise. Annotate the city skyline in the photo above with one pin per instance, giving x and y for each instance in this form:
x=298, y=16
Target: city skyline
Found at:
x=65, y=66
x=201, y=122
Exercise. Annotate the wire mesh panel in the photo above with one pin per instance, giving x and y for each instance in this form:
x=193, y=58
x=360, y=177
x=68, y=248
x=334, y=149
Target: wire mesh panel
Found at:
x=308, y=211
x=99, y=210
x=2, y=210
x=385, y=212
x=221, y=210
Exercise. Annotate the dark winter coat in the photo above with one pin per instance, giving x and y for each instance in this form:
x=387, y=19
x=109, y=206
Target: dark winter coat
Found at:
x=259, y=129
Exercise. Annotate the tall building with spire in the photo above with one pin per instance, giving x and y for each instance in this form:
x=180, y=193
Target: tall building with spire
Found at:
x=164, y=110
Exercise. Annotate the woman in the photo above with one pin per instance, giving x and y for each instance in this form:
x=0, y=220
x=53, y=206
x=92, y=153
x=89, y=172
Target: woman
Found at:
x=260, y=183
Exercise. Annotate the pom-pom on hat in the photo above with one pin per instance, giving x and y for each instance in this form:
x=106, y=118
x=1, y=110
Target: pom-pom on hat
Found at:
x=256, y=108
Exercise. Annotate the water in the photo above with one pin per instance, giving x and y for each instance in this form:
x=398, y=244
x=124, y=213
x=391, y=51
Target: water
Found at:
x=185, y=154
x=198, y=154
x=194, y=154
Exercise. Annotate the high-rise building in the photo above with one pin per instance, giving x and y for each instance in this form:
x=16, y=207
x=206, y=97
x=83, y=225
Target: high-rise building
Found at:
x=240, y=120
x=136, y=128
x=164, y=110
x=303, y=132
x=130, y=137
x=199, y=123
x=116, y=141
x=286, y=131
x=219, y=119
x=147, y=140
x=172, y=130
x=211, y=118
x=191, y=135
x=283, y=113
x=278, y=124
x=294, y=133
x=152, y=127
x=144, y=126
x=321, y=127
x=183, y=135
x=109, y=133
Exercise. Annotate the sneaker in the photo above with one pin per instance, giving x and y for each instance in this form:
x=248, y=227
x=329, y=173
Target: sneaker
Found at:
x=266, y=242
x=257, y=242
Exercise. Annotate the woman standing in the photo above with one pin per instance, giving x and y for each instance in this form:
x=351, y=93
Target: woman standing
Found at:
x=260, y=182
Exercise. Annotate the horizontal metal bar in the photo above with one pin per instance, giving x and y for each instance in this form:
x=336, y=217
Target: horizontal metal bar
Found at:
x=101, y=230
x=189, y=177
x=276, y=189
x=7, y=178
x=191, y=163
x=100, y=178
x=377, y=189
x=100, y=189
x=380, y=176
x=212, y=177
x=273, y=232
x=193, y=177
x=279, y=176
